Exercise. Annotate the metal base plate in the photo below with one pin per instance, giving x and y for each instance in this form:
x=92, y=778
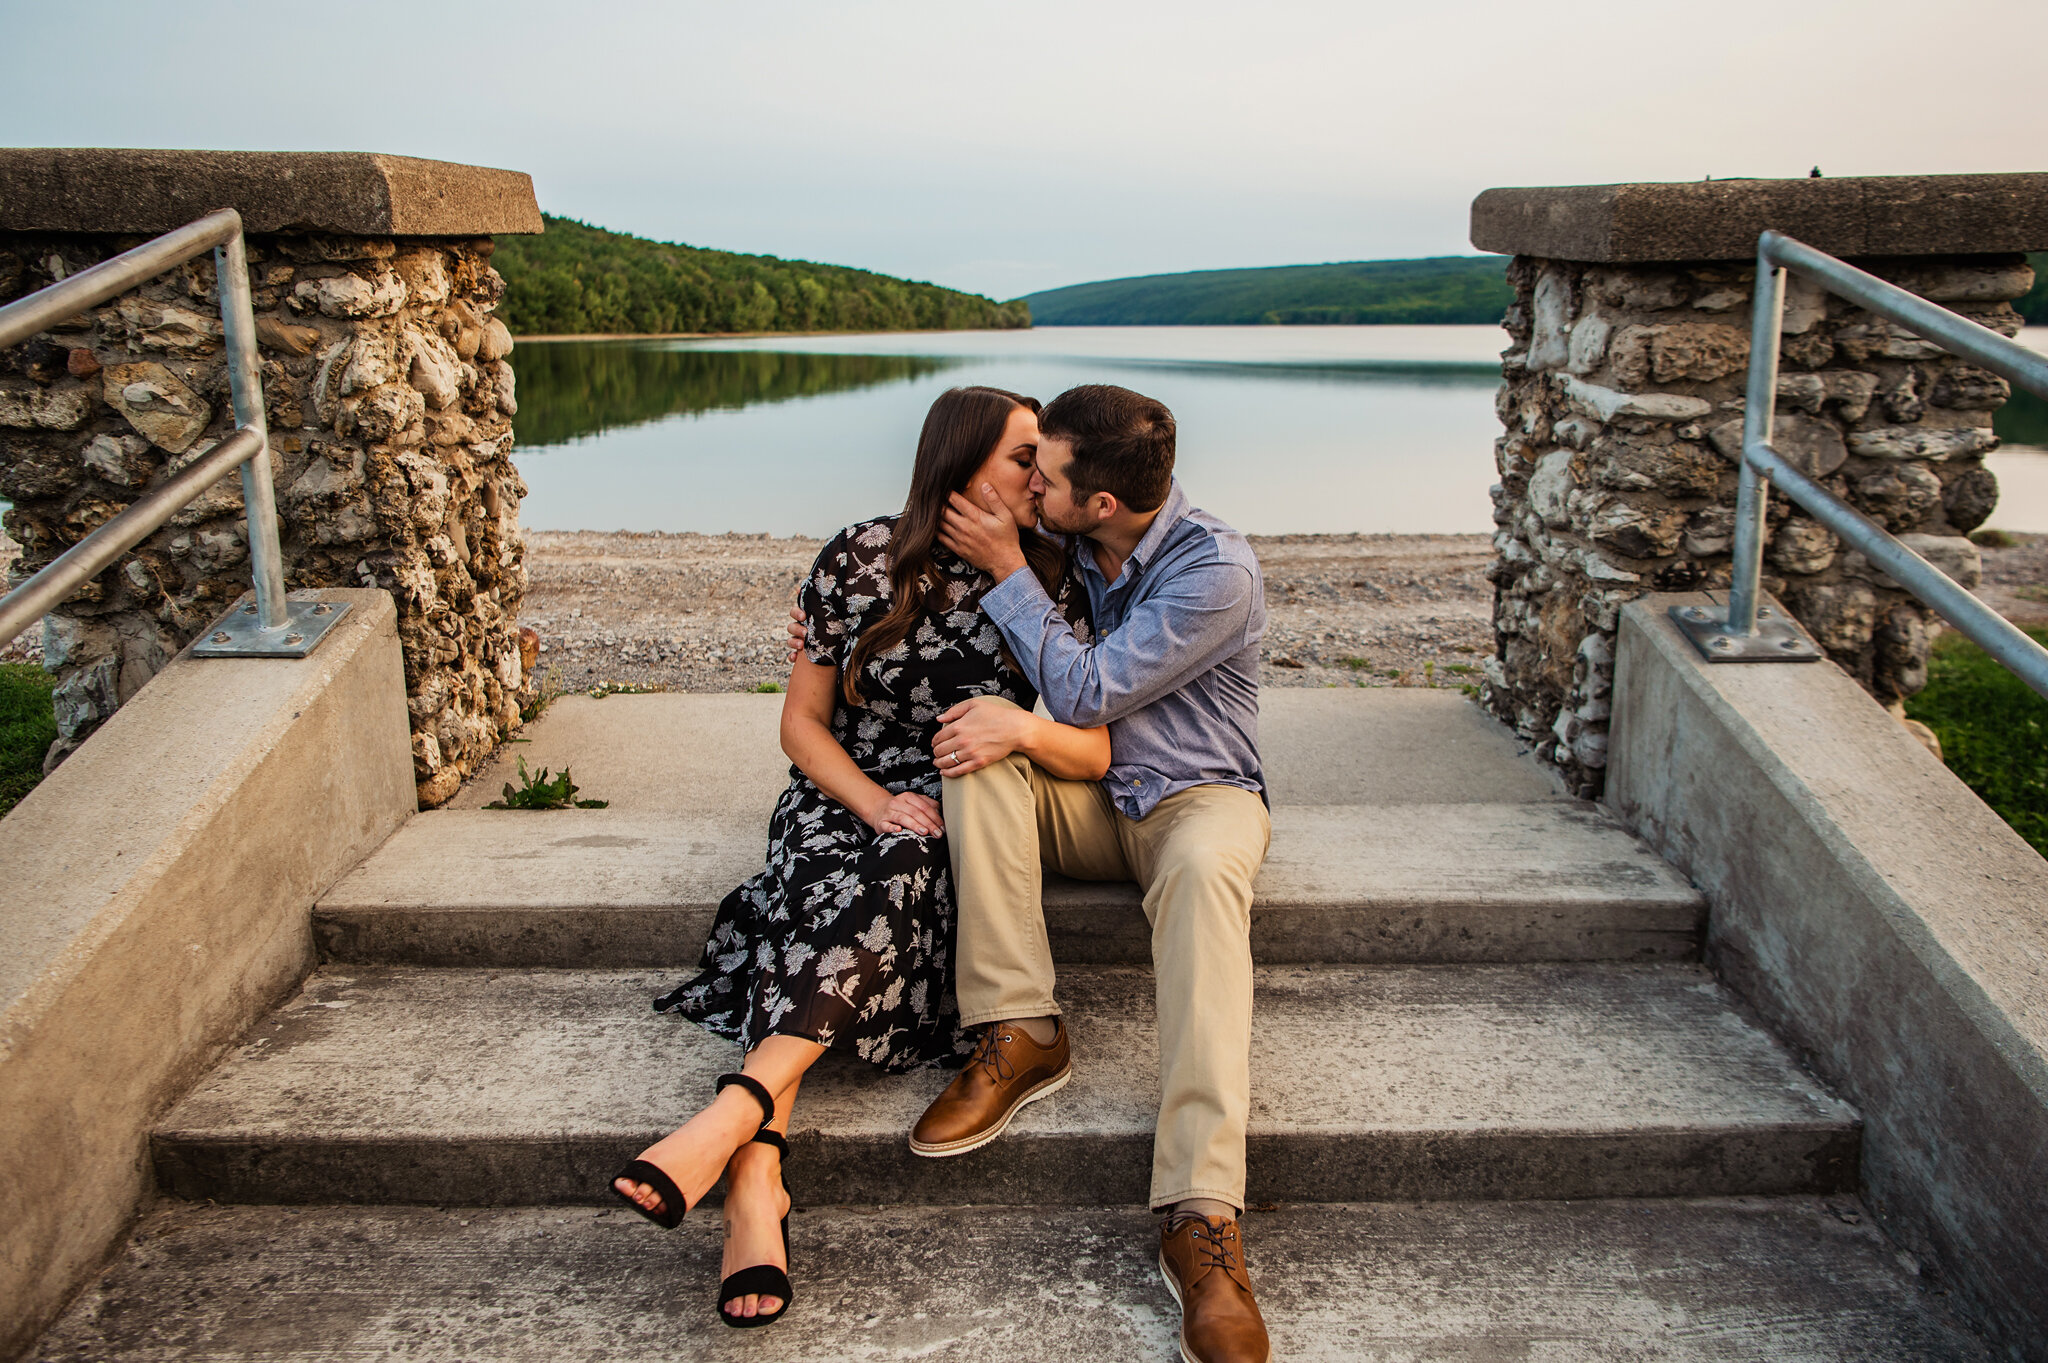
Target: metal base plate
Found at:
x=1778, y=637
x=237, y=635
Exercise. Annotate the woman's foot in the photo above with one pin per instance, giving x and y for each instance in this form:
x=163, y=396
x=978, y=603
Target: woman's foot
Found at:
x=755, y=1205
x=695, y=1154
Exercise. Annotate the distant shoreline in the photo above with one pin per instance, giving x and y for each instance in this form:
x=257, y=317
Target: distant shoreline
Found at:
x=975, y=331
x=740, y=335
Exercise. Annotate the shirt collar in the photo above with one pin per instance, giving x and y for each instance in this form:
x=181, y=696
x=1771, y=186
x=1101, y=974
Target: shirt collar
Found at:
x=1170, y=514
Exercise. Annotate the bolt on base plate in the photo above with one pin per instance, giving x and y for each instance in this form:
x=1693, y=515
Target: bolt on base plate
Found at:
x=237, y=634
x=1778, y=637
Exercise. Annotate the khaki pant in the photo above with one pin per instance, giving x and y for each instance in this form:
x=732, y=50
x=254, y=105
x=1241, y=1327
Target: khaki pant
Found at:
x=1194, y=856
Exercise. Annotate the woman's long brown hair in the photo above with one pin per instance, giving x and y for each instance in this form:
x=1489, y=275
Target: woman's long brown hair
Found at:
x=960, y=432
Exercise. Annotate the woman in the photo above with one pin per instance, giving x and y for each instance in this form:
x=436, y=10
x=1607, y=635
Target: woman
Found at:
x=845, y=939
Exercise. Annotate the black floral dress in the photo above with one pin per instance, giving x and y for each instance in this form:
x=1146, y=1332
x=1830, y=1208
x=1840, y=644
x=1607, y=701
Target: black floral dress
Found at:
x=846, y=937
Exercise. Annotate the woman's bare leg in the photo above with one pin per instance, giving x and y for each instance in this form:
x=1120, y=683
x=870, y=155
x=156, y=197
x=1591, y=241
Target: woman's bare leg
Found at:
x=754, y=1200
x=695, y=1153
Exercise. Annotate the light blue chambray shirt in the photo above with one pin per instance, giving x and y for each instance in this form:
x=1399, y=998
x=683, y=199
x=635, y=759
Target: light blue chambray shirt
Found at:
x=1174, y=668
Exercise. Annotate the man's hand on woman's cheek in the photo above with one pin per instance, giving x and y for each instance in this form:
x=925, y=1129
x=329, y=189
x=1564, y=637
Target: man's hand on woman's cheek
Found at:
x=982, y=532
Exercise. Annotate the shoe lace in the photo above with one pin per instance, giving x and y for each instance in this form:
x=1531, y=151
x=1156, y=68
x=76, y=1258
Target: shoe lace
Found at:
x=1218, y=1248
x=989, y=1055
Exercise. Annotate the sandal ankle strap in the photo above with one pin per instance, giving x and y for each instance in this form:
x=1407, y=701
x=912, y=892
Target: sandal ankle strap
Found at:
x=774, y=1138
x=755, y=1087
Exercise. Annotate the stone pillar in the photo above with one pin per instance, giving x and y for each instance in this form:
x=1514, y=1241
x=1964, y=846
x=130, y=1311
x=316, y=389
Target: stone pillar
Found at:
x=1622, y=395
x=389, y=396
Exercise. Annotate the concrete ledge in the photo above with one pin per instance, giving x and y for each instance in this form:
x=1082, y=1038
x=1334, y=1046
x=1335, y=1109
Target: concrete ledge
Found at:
x=120, y=189
x=1887, y=215
x=1881, y=918
x=156, y=902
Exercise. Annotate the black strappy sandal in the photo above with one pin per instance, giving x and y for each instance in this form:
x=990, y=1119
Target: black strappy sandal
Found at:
x=763, y=1280
x=673, y=1203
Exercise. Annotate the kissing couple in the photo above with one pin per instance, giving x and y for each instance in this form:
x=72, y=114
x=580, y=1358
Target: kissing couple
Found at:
x=1041, y=555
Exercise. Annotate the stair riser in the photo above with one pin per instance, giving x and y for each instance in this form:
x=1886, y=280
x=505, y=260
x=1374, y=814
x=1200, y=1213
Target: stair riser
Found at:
x=1043, y=1170
x=1095, y=934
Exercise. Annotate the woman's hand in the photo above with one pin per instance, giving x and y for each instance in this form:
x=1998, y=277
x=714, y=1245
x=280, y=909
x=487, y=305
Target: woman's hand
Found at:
x=906, y=813
x=796, y=633
x=976, y=733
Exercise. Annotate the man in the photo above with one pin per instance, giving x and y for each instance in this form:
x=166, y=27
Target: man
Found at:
x=1173, y=668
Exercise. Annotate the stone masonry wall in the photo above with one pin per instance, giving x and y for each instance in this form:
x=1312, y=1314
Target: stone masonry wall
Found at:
x=1622, y=395
x=389, y=400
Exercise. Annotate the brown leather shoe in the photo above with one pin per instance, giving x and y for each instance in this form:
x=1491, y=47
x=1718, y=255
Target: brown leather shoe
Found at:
x=1007, y=1071
x=1202, y=1260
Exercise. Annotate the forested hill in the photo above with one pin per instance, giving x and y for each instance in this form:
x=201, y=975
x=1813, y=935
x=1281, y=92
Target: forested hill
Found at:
x=1437, y=290
x=575, y=279
x=2034, y=307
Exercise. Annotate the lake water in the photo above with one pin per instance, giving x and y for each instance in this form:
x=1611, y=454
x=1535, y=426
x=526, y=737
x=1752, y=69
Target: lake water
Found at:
x=1282, y=429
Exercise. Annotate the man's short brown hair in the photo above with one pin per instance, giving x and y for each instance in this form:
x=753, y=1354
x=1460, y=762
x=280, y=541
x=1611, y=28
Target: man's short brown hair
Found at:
x=1122, y=442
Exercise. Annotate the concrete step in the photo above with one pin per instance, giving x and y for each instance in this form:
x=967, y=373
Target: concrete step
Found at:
x=706, y=754
x=1553, y=880
x=1722, y=1279
x=400, y=1084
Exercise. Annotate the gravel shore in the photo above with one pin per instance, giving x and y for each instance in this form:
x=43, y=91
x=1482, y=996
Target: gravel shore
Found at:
x=706, y=612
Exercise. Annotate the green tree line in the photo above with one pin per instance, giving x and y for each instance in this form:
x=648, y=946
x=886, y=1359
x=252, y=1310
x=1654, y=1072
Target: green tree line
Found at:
x=575, y=279
x=570, y=389
x=2034, y=307
x=1443, y=289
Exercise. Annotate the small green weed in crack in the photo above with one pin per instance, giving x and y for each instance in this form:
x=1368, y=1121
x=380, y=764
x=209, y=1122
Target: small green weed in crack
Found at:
x=543, y=792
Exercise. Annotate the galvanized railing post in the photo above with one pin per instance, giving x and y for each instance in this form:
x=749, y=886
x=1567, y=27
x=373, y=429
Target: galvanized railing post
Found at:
x=245, y=388
x=271, y=626
x=1748, y=631
x=1753, y=493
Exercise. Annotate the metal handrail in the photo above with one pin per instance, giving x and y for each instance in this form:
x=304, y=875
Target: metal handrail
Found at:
x=1746, y=631
x=272, y=626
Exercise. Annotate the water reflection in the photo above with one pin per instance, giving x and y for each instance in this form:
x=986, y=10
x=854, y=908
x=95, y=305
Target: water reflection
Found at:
x=570, y=390
x=1282, y=429
x=1305, y=429
x=2023, y=420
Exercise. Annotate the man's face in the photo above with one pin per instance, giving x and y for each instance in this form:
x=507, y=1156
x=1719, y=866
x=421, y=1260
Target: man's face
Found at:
x=1054, y=494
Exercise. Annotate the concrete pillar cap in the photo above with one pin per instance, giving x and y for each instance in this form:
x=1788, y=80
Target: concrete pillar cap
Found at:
x=1887, y=215
x=129, y=190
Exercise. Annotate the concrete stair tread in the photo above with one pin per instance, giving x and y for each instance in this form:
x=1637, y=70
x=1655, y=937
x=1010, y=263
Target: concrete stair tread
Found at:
x=708, y=753
x=1720, y=1279
x=1469, y=881
x=403, y=1083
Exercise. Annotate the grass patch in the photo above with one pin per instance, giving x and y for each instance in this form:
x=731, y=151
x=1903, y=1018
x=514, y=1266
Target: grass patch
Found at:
x=28, y=726
x=1993, y=731
x=1993, y=539
x=768, y=688
x=1358, y=664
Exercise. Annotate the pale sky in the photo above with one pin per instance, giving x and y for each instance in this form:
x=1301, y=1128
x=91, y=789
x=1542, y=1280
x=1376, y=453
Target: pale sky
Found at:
x=1007, y=148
